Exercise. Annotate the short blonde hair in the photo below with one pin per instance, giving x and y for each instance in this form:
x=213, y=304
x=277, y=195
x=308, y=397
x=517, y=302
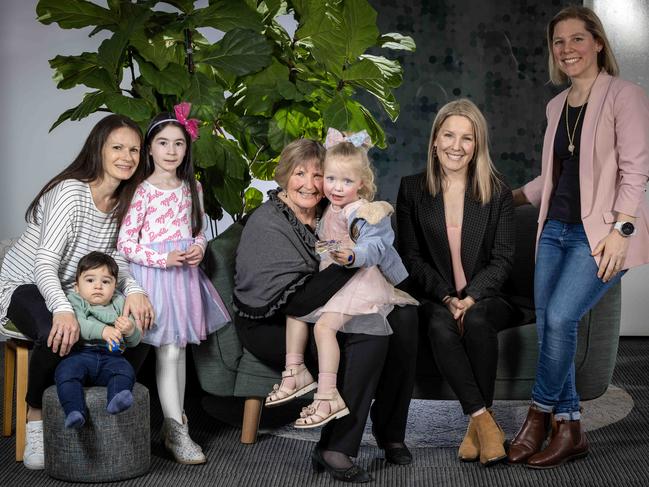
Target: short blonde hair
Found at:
x=482, y=175
x=298, y=152
x=358, y=155
x=605, y=58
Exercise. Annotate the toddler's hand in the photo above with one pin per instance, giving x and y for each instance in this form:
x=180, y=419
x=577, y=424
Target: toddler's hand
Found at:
x=124, y=325
x=194, y=255
x=176, y=258
x=343, y=256
x=112, y=335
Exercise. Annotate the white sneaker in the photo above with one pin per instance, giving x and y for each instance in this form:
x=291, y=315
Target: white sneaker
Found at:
x=34, y=457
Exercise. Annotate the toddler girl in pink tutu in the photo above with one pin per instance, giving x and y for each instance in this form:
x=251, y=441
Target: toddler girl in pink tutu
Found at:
x=163, y=239
x=354, y=232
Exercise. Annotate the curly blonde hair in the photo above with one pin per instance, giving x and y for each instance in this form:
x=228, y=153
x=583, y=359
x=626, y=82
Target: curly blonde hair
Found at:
x=358, y=157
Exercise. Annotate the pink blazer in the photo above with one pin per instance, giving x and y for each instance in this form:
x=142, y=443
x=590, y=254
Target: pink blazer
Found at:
x=613, y=162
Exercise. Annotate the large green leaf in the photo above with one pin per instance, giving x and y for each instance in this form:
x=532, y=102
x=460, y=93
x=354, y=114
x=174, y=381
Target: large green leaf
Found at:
x=343, y=114
x=110, y=52
x=240, y=52
x=291, y=123
x=252, y=198
x=205, y=95
x=367, y=74
x=134, y=108
x=212, y=150
x=172, y=80
x=360, y=28
x=160, y=49
x=323, y=35
x=394, y=40
x=264, y=170
x=337, y=33
x=260, y=91
x=375, y=68
x=374, y=129
x=73, y=14
x=84, y=69
x=228, y=192
x=227, y=15
x=91, y=102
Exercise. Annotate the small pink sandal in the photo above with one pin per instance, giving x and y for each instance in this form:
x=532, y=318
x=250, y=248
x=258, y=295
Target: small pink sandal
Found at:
x=304, y=382
x=313, y=417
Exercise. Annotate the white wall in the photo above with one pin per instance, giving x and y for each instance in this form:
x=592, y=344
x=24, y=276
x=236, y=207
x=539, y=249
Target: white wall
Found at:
x=627, y=26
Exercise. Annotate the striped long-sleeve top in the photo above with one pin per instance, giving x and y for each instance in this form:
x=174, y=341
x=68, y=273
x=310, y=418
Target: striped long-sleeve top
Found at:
x=67, y=226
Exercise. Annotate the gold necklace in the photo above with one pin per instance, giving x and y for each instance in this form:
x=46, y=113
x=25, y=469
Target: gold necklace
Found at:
x=571, y=137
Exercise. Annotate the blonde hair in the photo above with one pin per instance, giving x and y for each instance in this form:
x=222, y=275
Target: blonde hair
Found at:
x=605, y=57
x=482, y=175
x=298, y=152
x=357, y=156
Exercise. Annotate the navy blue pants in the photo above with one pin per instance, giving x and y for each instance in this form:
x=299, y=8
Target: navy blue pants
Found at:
x=91, y=366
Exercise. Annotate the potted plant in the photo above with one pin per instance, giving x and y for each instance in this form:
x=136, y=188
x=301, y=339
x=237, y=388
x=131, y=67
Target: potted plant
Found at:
x=253, y=91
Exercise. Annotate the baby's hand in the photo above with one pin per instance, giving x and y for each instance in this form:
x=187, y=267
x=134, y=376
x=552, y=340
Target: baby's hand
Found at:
x=194, y=255
x=112, y=335
x=343, y=256
x=176, y=258
x=125, y=326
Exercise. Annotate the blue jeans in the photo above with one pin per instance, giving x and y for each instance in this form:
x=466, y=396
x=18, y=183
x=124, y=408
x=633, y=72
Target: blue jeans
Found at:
x=92, y=365
x=566, y=286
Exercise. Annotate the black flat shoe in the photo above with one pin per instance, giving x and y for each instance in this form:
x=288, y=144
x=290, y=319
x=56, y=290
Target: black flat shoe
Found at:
x=397, y=455
x=353, y=474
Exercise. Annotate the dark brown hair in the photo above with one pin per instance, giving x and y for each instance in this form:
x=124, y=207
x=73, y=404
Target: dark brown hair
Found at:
x=95, y=260
x=88, y=166
x=185, y=171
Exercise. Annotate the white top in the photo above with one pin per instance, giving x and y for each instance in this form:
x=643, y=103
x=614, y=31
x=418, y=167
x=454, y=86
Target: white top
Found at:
x=158, y=215
x=68, y=226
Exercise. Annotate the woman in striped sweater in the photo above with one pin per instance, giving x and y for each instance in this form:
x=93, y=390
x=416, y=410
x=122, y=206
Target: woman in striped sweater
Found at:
x=76, y=212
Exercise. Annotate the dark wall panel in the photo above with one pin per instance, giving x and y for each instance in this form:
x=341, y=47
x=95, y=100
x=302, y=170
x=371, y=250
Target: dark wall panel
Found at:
x=492, y=52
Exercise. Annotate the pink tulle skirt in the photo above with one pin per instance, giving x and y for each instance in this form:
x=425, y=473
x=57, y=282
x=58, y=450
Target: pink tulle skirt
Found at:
x=187, y=307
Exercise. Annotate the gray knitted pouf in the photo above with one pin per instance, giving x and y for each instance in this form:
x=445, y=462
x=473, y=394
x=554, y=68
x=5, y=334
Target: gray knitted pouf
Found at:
x=107, y=448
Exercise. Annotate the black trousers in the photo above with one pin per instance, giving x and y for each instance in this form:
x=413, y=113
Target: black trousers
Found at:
x=29, y=313
x=361, y=367
x=468, y=362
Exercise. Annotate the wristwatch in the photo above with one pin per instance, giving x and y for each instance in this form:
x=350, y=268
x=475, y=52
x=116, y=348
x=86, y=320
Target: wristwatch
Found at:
x=626, y=229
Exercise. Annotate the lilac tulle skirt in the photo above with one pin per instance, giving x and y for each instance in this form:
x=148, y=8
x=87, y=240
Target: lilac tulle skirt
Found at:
x=187, y=307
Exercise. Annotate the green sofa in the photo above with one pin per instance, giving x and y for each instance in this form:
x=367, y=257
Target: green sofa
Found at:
x=225, y=368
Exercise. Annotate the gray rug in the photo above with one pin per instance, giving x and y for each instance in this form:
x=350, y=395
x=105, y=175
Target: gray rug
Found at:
x=441, y=424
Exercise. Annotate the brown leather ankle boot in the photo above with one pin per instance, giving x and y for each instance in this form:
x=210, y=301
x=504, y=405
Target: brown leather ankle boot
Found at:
x=568, y=443
x=531, y=436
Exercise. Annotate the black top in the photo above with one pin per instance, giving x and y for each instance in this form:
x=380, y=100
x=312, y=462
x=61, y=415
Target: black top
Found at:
x=565, y=204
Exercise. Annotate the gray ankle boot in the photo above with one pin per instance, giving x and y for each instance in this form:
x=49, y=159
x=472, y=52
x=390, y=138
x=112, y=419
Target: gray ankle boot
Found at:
x=178, y=442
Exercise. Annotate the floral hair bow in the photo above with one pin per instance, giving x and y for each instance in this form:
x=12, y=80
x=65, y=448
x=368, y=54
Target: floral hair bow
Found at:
x=358, y=139
x=191, y=124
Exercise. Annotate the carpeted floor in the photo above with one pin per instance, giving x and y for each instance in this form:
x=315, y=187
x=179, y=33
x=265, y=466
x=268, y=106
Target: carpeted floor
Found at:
x=618, y=452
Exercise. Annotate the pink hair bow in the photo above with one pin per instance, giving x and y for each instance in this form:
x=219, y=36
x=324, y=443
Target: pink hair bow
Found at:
x=191, y=124
x=359, y=139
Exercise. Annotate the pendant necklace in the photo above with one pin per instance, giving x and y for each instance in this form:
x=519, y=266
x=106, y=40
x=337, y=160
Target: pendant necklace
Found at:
x=571, y=137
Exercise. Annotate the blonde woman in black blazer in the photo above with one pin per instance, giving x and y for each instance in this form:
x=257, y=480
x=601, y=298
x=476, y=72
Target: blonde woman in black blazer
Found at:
x=461, y=199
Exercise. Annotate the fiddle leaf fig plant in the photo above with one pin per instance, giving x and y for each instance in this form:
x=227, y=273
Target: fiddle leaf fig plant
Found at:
x=256, y=89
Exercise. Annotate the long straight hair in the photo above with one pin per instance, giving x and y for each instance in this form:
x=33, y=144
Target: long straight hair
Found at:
x=88, y=166
x=482, y=175
x=185, y=171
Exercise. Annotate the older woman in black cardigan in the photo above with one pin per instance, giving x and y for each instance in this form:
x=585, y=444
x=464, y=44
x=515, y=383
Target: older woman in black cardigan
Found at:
x=277, y=275
x=456, y=237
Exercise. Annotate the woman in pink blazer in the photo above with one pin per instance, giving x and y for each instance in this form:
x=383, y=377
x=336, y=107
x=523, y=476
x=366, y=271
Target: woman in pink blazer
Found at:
x=593, y=219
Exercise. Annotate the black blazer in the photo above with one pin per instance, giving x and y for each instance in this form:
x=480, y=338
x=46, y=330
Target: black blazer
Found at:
x=487, y=241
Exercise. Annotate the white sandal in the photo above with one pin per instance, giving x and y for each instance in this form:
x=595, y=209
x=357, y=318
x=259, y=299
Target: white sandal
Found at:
x=313, y=417
x=304, y=382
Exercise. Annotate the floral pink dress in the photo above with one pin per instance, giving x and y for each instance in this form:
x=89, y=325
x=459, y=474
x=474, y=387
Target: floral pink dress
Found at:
x=187, y=307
